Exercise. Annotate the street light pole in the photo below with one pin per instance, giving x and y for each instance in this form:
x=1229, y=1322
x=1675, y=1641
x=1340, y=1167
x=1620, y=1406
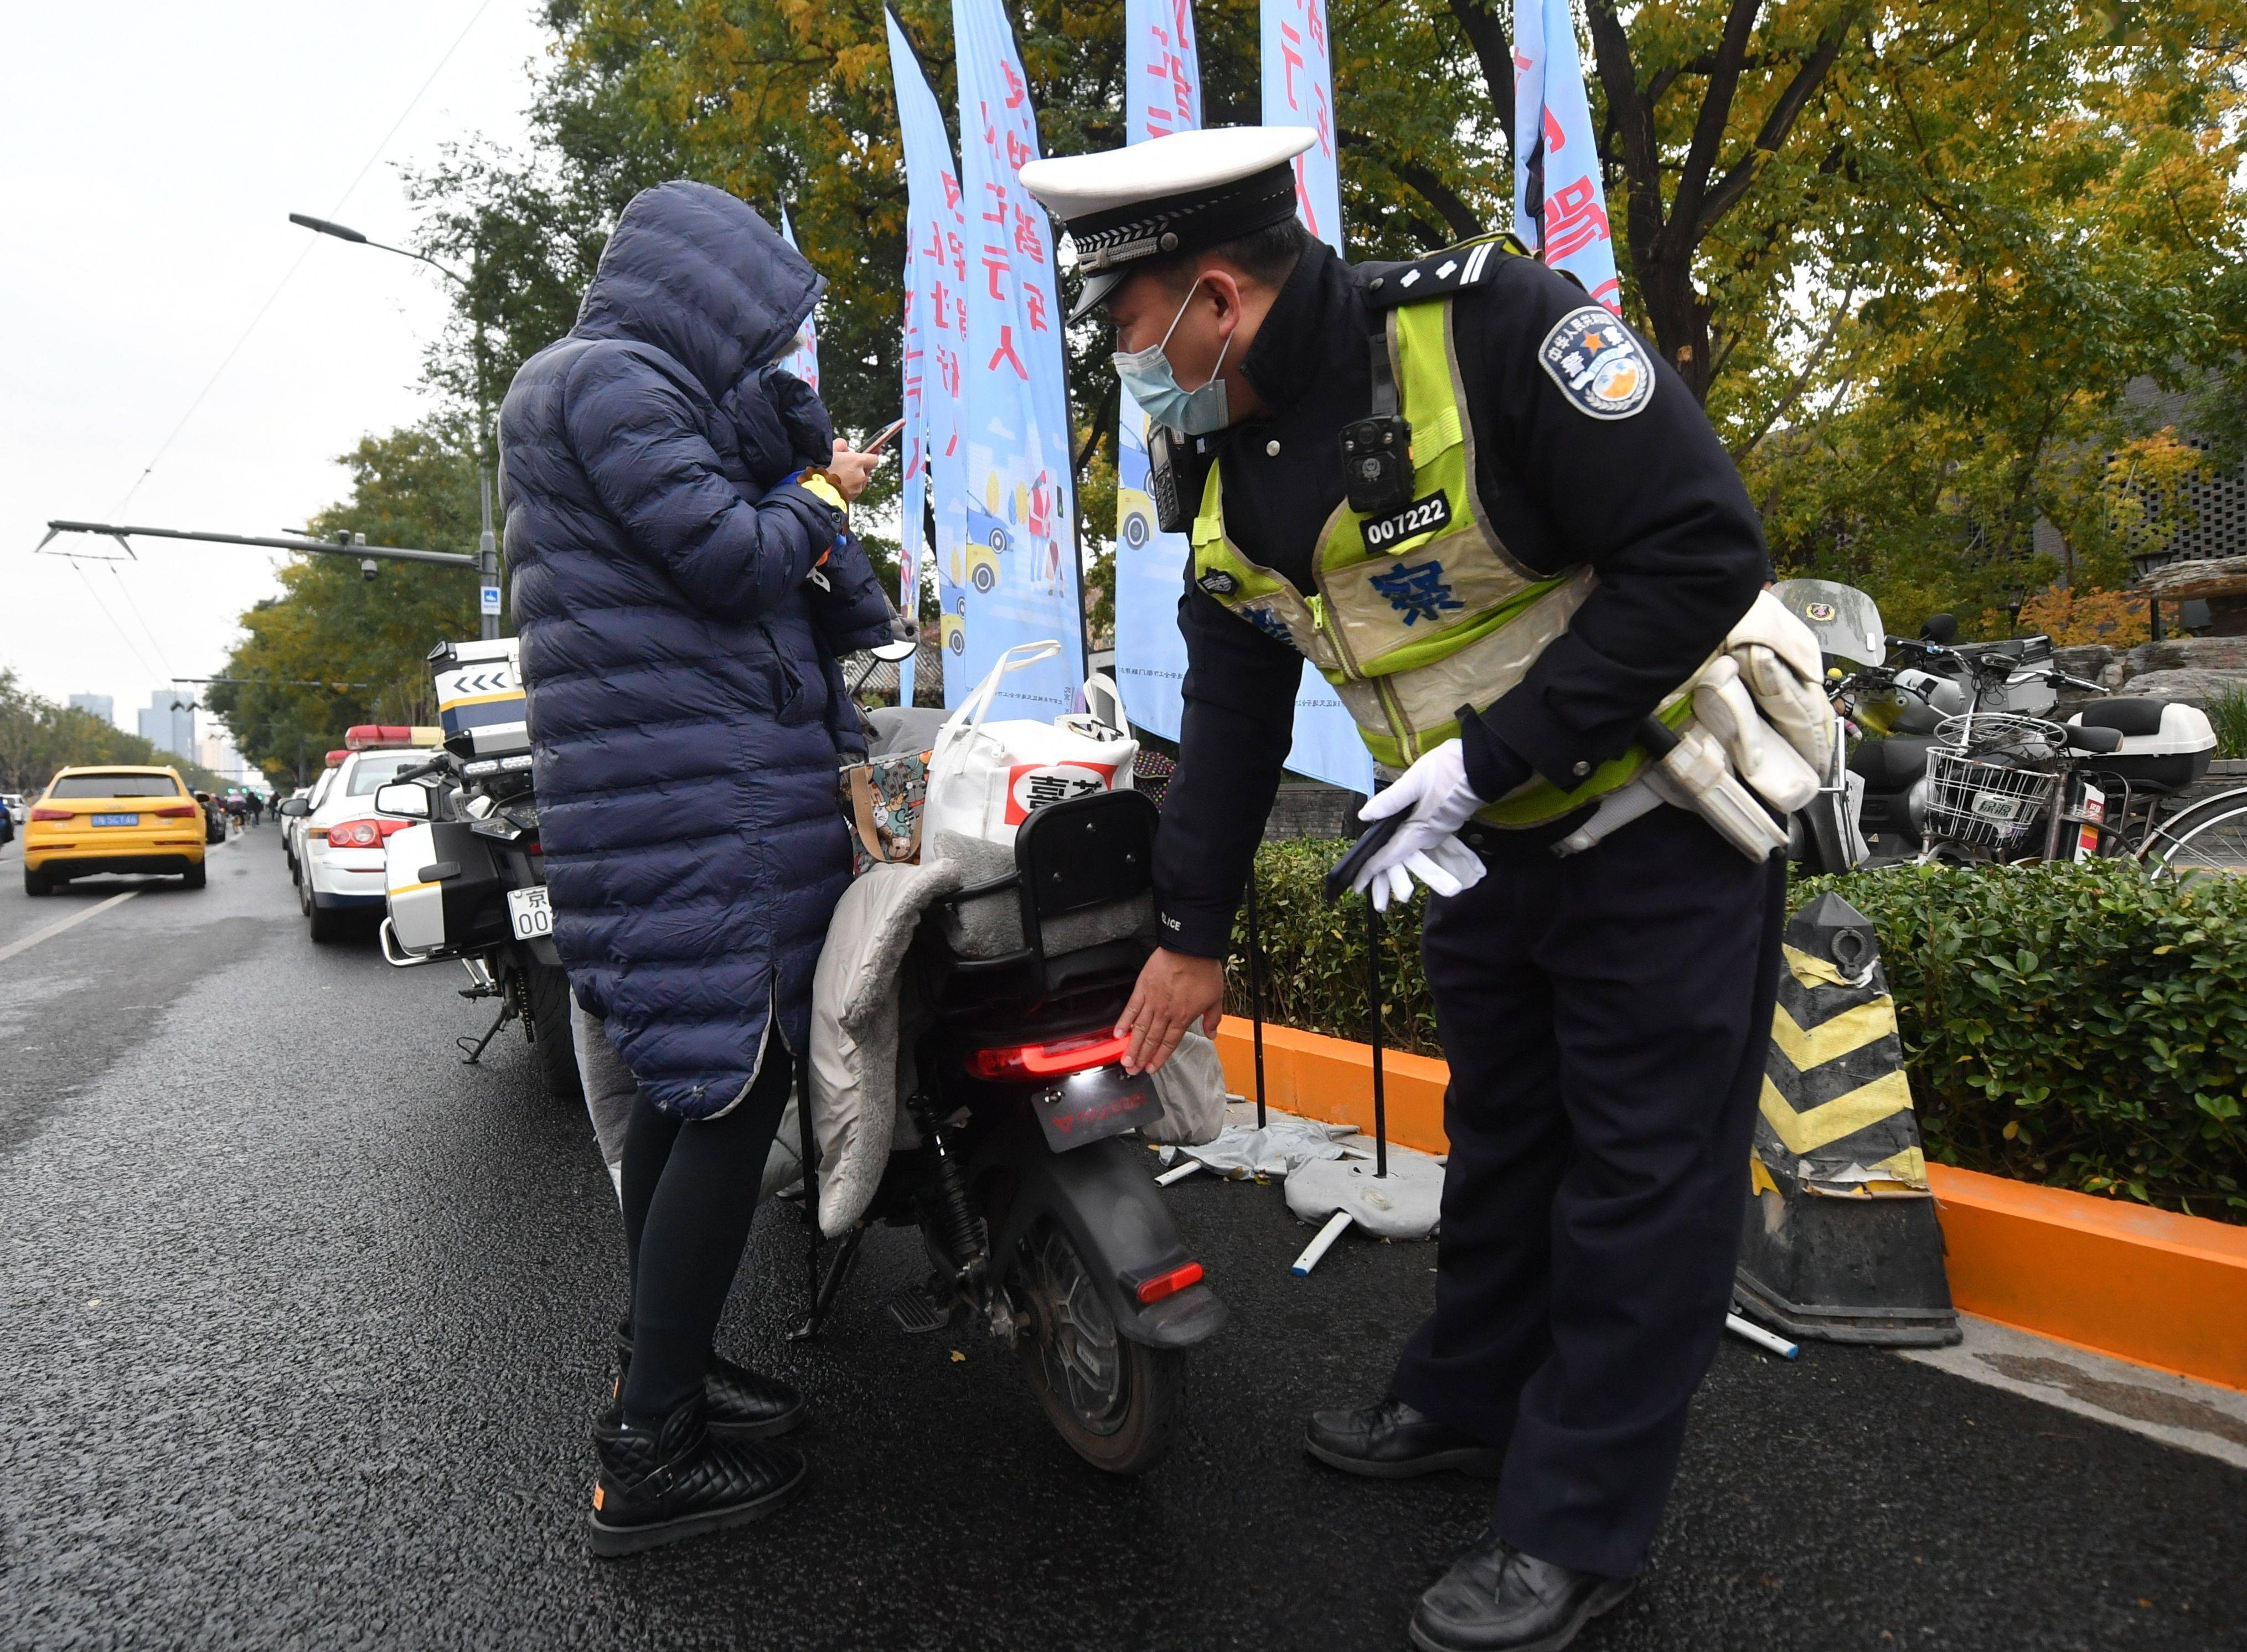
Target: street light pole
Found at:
x=488, y=585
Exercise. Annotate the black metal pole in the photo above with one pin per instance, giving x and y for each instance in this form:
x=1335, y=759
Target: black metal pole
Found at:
x=1380, y=1096
x=1256, y=995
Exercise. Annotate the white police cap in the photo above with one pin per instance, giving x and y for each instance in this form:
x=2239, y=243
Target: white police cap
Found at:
x=1172, y=195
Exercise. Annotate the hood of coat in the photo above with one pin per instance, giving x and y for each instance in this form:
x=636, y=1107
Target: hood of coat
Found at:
x=698, y=275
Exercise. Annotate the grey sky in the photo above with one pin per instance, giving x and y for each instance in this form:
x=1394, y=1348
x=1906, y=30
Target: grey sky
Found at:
x=150, y=155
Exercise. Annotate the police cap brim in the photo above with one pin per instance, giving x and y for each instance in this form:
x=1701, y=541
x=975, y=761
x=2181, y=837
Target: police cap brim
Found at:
x=1170, y=196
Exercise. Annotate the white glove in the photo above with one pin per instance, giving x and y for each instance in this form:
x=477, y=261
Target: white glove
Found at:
x=1723, y=706
x=1778, y=658
x=1426, y=847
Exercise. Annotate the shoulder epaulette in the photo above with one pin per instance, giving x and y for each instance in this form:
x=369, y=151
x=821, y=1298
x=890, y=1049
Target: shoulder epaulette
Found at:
x=1453, y=270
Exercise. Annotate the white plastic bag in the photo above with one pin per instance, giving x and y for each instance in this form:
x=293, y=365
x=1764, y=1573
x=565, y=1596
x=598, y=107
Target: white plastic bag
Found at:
x=986, y=778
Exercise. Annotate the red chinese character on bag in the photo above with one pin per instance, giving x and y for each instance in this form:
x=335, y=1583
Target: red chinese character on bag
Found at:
x=1035, y=301
x=1018, y=154
x=1026, y=238
x=942, y=300
x=994, y=261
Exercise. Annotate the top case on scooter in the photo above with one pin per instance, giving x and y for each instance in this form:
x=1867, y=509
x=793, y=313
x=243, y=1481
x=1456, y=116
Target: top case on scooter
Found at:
x=2166, y=746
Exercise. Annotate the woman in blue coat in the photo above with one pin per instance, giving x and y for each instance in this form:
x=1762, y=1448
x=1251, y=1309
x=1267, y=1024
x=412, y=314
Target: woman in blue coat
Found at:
x=677, y=526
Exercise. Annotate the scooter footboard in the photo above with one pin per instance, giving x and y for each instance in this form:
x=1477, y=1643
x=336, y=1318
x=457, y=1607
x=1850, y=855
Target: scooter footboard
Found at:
x=1102, y=1198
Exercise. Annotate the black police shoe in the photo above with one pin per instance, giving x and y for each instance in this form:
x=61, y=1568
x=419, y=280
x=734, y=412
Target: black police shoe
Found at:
x=743, y=1404
x=1497, y=1599
x=677, y=1481
x=1390, y=1441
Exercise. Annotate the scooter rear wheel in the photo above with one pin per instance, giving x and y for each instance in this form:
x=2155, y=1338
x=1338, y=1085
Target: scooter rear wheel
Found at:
x=1115, y=1401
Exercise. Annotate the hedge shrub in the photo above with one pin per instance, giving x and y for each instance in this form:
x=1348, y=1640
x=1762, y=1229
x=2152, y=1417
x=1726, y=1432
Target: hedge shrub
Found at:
x=2077, y=1026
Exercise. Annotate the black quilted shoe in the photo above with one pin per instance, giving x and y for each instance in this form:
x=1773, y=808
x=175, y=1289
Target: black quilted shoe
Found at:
x=743, y=1404
x=1497, y=1599
x=1390, y=1441
x=659, y=1484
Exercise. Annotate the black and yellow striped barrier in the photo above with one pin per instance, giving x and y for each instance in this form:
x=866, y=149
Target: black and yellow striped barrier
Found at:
x=1840, y=1239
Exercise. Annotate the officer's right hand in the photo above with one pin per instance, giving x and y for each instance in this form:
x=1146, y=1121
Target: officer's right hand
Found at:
x=1175, y=990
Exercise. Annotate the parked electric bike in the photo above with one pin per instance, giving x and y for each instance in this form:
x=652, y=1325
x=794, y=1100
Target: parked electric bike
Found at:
x=469, y=885
x=1040, y=1219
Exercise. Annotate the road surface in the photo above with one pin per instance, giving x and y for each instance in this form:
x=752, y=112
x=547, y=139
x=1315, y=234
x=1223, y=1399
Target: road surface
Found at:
x=303, y=1322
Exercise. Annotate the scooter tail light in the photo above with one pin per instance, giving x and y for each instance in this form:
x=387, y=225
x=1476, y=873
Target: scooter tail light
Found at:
x=1169, y=1282
x=1050, y=1060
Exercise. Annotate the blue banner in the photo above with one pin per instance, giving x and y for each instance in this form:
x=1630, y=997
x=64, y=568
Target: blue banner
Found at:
x=804, y=359
x=1018, y=565
x=1560, y=205
x=1299, y=91
x=1162, y=82
x=935, y=348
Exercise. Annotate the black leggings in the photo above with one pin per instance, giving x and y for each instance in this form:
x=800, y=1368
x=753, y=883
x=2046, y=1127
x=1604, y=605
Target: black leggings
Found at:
x=690, y=1189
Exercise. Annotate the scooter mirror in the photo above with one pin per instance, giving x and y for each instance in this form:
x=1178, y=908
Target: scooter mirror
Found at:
x=1942, y=629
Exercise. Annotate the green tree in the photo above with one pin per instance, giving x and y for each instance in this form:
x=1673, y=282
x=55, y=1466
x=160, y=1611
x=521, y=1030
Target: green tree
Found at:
x=1911, y=252
x=335, y=648
x=38, y=737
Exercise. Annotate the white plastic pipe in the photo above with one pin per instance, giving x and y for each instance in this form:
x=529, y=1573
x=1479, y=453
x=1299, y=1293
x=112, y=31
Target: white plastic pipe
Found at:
x=1337, y=1224
x=1179, y=1174
x=1747, y=1330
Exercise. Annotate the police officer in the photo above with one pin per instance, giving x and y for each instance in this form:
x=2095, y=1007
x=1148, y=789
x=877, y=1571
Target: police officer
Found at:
x=1507, y=534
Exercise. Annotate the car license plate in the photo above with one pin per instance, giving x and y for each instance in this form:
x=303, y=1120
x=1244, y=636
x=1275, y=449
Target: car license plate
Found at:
x=531, y=913
x=117, y=819
x=1092, y=1107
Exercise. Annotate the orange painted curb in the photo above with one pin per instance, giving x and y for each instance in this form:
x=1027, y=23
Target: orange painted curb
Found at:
x=2141, y=1285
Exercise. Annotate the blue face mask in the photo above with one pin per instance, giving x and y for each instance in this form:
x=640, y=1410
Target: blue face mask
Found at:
x=1146, y=373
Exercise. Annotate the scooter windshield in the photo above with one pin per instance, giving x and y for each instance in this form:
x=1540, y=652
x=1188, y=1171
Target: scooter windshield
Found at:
x=1845, y=620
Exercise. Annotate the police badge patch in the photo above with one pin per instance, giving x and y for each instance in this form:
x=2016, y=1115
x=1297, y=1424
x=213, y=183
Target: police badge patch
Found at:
x=1217, y=582
x=1598, y=363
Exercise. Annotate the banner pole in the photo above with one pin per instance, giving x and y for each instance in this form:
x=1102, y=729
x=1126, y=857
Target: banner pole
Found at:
x=1256, y=995
x=1380, y=1096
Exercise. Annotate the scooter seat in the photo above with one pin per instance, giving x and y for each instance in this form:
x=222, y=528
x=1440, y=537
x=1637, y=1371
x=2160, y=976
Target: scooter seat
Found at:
x=1893, y=764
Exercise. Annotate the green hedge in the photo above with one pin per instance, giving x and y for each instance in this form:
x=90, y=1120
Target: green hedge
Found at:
x=2079, y=1027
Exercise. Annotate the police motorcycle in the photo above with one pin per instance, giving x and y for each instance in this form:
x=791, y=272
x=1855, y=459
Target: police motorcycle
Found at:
x=467, y=883
x=1040, y=1220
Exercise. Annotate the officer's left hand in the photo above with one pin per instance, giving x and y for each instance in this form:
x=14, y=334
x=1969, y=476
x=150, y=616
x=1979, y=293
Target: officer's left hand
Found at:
x=1436, y=791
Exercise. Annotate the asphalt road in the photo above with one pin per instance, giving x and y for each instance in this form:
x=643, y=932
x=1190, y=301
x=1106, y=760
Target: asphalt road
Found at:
x=304, y=1321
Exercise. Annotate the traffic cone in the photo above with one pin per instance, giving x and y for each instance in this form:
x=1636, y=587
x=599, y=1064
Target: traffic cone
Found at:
x=1841, y=1240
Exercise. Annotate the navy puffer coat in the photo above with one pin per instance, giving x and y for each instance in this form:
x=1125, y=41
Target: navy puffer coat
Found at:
x=687, y=711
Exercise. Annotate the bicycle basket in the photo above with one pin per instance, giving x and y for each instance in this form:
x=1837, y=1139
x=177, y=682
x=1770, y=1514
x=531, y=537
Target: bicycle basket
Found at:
x=2022, y=741
x=1981, y=803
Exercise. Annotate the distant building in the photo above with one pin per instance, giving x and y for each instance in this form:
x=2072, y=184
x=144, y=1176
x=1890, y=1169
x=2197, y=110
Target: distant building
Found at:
x=168, y=724
x=101, y=705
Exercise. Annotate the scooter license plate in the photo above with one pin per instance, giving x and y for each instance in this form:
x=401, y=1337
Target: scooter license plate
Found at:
x=1092, y=1107
x=531, y=912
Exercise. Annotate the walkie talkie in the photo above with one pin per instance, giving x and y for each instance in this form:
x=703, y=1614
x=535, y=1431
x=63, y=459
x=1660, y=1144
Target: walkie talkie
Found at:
x=1377, y=452
x=1171, y=514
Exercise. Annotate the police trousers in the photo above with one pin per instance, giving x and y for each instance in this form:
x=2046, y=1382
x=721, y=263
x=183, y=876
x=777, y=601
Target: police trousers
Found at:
x=1605, y=1017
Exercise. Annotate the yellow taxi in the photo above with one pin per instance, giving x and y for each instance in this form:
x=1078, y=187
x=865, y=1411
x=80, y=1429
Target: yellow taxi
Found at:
x=114, y=817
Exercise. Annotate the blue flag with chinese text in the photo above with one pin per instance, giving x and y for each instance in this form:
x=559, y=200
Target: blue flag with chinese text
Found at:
x=1559, y=204
x=1019, y=565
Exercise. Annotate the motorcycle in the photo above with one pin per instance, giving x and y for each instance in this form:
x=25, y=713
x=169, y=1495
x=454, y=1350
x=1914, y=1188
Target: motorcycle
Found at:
x=1036, y=1209
x=1956, y=760
x=468, y=884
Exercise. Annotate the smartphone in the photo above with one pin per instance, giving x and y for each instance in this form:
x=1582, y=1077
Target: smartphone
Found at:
x=888, y=431
x=1344, y=871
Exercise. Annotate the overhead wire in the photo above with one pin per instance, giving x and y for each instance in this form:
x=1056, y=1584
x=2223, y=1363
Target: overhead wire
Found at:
x=290, y=274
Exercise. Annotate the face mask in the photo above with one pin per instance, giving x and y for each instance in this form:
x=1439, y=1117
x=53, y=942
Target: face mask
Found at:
x=1146, y=373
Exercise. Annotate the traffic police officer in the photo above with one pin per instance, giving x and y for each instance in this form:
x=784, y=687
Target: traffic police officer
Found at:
x=1507, y=534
